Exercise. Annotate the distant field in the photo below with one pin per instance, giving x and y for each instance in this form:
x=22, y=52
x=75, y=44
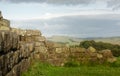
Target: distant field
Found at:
x=40, y=69
x=75, y=41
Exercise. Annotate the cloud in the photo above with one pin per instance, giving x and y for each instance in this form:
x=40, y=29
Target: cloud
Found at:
x=80, y=25
x=115, y=4
x=74, y=2
x=26, y=1
x=86, y=13
x=59, y=2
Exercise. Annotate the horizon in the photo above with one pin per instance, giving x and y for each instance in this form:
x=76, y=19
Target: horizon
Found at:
x=81, y=37
x=73, y=18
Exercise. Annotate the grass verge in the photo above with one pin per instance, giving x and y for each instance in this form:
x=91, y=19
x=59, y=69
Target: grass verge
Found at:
x=44, y=69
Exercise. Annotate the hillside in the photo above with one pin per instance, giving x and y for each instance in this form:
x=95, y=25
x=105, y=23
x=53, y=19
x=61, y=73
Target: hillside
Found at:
x=74, y=40
x=65, y=39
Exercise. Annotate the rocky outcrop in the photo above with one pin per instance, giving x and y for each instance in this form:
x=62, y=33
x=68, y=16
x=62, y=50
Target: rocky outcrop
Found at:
x=18, y=48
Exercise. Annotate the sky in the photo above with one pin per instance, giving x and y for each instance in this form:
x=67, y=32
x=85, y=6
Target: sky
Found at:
x=76, y=18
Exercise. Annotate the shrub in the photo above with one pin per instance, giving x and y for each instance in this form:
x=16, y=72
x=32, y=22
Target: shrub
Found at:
x=101, y=46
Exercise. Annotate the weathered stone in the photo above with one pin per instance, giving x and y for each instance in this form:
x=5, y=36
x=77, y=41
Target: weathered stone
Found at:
x=0, y=73
x=18, y=48
x=16, y=57
x=19, y=31
x=40, y=49
x=91, y=49
x=99, y=56
x=28, y=39
x=15, y=41
x=8, y=41
x=62, y=50
x=4, y=27
x=107, y=53
x=37, y=44
x=59, y=55
x=0, y=15
x=4, y=24
x=26, y=32
x=79, y=50
x=1, y=42
x=58, y=50
x=4, y=65
x=33, y=33
x=1, y=62
x=40, y=38
x=30, y=46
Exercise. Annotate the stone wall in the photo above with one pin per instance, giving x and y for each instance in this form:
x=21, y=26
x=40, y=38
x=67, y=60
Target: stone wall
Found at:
x=17, y=51
x=58, y=56
x=18, y=48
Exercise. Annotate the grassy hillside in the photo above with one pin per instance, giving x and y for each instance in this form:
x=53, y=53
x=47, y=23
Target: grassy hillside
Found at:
x=65, y=39
x=73, y=40
x=113, y=40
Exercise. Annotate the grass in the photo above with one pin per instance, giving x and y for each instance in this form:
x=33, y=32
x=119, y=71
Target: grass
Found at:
x=44, y=69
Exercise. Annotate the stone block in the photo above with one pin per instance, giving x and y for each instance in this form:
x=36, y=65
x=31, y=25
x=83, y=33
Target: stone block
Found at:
x=4, y=24
x=8, y=41
x=1, y=15
x=30, y=47
x=40, y=38
x=0, y=73
x=91, y=49
x=4, y=27
x=28, y=39
x=33, y=33
x=15, y=41
x=37, y=44
x=40, y=49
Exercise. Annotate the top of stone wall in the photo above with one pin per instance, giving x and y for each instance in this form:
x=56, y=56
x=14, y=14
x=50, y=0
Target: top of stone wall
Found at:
x=26, y=32
x=4, y=23
x=33, y=32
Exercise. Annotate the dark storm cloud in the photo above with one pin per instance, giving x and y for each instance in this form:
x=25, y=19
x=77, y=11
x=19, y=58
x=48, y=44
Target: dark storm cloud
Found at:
x=66, y=2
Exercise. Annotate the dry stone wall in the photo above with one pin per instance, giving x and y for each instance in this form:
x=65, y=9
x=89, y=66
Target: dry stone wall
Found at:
x=17, y=51
x=58, y=56
x=18, y=48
